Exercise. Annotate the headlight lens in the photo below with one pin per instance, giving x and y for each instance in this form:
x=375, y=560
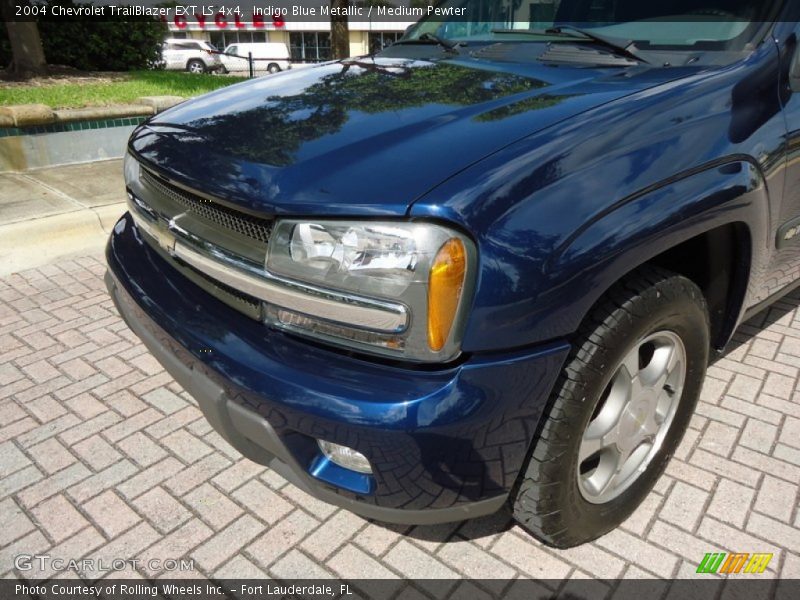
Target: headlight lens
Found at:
x=130, y=168
x=423, y=267
x=383, y=258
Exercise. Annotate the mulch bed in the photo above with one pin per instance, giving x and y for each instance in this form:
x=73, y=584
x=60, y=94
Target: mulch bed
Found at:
x=58, y=75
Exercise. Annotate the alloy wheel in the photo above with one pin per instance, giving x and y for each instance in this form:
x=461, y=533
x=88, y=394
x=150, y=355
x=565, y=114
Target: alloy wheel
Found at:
x=633, y=417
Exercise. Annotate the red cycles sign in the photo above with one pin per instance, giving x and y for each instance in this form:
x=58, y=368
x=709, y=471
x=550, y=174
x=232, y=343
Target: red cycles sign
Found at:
x=222, y=21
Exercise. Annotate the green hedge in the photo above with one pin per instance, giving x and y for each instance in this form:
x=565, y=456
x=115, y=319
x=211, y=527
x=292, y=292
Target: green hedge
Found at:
x=5, y=47
x=96, y=45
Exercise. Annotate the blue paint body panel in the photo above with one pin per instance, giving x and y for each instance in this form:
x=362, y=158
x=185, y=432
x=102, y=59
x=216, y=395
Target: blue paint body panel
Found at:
x=566, y=178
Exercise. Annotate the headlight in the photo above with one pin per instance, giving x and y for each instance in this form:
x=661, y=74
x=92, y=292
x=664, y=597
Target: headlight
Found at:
x=130, y=168
x=421, y=271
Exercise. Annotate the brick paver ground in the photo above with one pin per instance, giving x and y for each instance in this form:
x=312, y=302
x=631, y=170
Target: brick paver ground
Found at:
x=102, y=454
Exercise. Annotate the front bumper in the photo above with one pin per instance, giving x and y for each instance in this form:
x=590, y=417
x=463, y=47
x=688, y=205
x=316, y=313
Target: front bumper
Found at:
x=444, y=445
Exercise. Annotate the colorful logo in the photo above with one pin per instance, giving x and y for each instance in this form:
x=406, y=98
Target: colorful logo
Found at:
x=734, y=563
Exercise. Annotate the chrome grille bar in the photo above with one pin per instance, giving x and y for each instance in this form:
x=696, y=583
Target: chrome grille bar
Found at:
x=328, y=308
x=215, y=263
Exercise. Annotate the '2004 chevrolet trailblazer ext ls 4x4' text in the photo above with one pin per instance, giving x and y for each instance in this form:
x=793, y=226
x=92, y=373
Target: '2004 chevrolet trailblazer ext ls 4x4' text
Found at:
x=483, y=268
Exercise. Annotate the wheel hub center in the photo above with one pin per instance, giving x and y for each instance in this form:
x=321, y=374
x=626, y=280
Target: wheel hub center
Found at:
x=632, y=422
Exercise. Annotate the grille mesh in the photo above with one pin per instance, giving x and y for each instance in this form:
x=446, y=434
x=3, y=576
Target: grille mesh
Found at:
x=232, y=293
x=244, y=224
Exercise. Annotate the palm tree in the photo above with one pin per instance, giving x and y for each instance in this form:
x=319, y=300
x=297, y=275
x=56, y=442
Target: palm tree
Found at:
x=340, y=32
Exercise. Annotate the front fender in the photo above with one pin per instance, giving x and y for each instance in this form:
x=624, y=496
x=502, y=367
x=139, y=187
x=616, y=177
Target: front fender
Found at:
x=560, y=216
x=638, y=229
x=535, y=287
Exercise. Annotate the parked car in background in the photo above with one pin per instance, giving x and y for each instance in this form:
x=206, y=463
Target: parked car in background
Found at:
x=195, y=56
x=483, y=269
x=271, y=57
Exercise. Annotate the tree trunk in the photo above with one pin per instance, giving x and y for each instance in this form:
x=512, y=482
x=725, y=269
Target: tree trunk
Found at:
x=26, y=45
x=340, y=34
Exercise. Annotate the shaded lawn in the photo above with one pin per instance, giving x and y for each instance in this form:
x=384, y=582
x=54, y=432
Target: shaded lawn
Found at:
x=110, y=88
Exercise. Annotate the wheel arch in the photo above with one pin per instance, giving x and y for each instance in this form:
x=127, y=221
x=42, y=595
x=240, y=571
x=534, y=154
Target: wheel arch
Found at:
x=719, y=262
x=715, y=236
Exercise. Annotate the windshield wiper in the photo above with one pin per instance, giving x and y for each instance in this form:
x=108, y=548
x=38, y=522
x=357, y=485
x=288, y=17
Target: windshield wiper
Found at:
x=626, y=47
x=429, y=38
x=620, y=47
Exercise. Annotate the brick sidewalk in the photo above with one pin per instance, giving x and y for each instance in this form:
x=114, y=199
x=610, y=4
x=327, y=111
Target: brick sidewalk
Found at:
x=103, y=455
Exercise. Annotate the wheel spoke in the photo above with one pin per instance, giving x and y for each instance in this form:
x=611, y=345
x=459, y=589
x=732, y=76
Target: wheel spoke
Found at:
x=630, y=367
x=611, y=437
x=616, y=475
x=612, y=482
x=613, y=407
x=596, y=439
x=590, y=445
x=631, y=363
x=649, y=429
x=670, y=362
x=664, y=401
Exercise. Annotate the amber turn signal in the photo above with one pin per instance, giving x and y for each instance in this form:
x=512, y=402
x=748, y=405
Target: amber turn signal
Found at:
x=444, y=291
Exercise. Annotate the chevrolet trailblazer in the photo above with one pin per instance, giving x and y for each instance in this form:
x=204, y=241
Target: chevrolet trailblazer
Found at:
x=483, y=269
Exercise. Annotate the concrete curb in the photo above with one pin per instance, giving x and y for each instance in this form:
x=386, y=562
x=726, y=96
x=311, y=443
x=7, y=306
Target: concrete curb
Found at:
x=36, y=242
x=23, y=115
x=29, y=115
x=68, y=115
x=160, y=103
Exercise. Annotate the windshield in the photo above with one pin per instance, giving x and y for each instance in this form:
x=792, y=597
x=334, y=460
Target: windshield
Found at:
x=675, y=24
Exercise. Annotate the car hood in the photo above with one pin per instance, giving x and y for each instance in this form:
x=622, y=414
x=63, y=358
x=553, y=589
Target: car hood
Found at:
x=366, y=136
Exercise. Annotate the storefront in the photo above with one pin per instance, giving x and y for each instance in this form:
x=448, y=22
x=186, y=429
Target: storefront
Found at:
x=307, y=41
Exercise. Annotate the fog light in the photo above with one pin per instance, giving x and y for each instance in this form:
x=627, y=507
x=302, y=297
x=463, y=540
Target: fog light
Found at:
x=345, y=457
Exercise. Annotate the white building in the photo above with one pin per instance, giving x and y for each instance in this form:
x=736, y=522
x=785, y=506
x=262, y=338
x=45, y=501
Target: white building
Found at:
x=308, y=41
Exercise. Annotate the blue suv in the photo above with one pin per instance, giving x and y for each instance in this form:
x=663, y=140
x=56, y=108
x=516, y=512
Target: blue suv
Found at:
x=482, y=269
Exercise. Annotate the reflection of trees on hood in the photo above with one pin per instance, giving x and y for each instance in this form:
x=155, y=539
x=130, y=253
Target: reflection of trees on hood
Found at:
x=372, y=87
x=273, y=132
x=517, y=108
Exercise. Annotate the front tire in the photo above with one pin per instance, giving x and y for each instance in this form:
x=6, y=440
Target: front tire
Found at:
x=196, y=66
x=273, y=68
x=619, y=410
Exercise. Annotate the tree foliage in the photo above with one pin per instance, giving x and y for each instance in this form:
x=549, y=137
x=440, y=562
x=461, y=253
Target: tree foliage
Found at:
x=98, y=45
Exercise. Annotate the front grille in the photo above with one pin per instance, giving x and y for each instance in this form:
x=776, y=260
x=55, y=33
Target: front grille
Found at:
x=241, y=223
